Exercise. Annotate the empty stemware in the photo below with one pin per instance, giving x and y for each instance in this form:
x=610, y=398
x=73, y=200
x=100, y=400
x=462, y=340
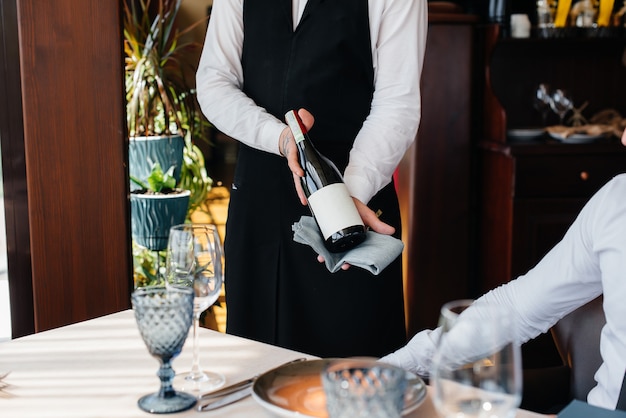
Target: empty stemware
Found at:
x=194, y=260
x=561, y=103
x=476, y=367
x=163, y=317
x=542, y=101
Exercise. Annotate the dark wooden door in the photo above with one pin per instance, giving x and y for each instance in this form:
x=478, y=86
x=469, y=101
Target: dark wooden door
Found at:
x=64, y=157
x=434, y=178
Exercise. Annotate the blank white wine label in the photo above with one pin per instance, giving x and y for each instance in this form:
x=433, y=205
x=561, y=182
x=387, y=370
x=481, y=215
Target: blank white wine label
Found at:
x=334, y=209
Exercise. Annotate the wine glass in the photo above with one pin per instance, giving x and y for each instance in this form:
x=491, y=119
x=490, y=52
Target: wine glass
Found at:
x=163, y=317
x=561, y=103
x=476, y=367
x=542, y=100
x=194, y=260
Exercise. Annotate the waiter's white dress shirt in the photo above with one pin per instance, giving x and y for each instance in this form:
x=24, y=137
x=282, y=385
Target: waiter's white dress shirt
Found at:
x=590, y=260
x=396, y=26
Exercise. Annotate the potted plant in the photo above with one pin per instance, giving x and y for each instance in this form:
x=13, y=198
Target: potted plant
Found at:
x=163, y=114
x=164, y=122
x=156, y=206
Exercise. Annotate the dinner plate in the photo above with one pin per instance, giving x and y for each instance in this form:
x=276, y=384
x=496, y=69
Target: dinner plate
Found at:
x=295, y=390
x=577, y=138
x=525, y=133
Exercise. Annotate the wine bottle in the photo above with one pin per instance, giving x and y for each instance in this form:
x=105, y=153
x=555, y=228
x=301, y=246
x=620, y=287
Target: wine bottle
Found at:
x=499, y=12
x=329, y=201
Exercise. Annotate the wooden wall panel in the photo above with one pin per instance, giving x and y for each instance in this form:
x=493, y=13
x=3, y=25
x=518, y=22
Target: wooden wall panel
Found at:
x=434, y=178
x=75, y=156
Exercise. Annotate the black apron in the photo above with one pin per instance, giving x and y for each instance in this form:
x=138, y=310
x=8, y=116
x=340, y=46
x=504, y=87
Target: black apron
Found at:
x=276, y=291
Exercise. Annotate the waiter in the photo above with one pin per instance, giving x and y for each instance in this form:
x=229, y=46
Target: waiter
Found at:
x=355, y=65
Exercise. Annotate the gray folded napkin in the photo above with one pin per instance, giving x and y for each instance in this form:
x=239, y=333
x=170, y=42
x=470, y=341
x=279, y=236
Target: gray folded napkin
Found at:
x=373, y=254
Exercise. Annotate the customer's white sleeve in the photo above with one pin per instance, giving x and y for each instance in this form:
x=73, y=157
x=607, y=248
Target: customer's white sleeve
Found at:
x=417, y=355
x=567, y=277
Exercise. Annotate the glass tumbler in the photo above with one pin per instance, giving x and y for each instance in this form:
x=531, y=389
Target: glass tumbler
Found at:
x=363, y=388
x=476, y=371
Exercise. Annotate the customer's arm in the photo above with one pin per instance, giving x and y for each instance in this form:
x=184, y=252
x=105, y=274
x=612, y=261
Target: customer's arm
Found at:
x=569, y=276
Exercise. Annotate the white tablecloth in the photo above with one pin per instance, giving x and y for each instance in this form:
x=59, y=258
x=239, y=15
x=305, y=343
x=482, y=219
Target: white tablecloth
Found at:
x=100, y=368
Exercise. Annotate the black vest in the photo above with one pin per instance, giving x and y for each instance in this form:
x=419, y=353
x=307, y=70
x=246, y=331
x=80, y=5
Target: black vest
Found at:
x=275, y=287
x=285, y=69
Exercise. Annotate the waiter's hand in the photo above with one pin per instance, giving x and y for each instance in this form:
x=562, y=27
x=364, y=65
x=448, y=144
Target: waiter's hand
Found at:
x=287, y=147
x=371, y=220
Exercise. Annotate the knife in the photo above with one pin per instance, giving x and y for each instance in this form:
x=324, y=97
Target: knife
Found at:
x=226, y=400
x=240, y=385
x=229, y=389
x=234, y=392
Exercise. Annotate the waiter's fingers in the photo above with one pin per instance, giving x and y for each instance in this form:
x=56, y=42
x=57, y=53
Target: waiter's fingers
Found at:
x=299, y=190
x=371, y=220
x=344, y=266
x=307, y=118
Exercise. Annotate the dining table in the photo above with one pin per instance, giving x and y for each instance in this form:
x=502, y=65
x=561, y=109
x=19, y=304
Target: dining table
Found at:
x=99, y=368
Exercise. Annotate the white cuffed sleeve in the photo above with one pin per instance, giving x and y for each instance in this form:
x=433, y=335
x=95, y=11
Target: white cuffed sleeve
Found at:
x=417, y=355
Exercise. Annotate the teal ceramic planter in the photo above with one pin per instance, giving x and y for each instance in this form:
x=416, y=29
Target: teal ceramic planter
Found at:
x=144, y=150
x=152, y=216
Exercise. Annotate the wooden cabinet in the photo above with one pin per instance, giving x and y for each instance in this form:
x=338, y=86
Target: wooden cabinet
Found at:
x=530, y=192
x=593, y=70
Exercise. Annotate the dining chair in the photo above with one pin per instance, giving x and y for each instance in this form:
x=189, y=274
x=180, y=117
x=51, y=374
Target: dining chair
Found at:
x=577, y=339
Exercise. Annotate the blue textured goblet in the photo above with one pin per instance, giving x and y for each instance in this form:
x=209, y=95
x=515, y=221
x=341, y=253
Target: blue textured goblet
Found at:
x=164, y=317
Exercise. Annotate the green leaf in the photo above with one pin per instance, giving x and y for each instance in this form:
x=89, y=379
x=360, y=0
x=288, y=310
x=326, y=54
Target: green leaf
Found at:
x=159, y=68
x=159, y=180
x=138, y=182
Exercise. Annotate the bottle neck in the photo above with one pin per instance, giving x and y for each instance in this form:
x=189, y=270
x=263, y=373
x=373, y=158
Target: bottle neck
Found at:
x=296, y=126
x=298, y=136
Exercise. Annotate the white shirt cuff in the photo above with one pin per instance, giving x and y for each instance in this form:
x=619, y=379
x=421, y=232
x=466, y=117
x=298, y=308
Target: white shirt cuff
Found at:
x=417, y=355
